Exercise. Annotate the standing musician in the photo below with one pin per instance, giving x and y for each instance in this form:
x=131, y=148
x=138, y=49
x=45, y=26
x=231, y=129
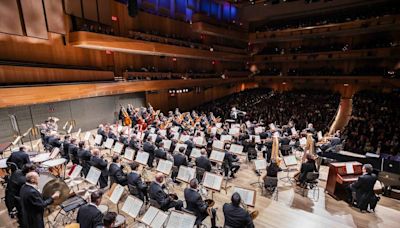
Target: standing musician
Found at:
x=156, y=192
x=84, y=158
x=235, y=216
x=197, y=205
x=117, y=174
x=20, y=157
x=73, y=151
x=101, y=164
x=134, y=179
x=32, y=203
x=89, y=216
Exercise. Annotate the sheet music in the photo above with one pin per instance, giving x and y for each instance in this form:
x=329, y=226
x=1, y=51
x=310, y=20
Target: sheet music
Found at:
x=179, y=145
x=234, y=131
x=235, y=125
x=217, y=156
x=259, y=130
x=109, y=143
x=212, y=181
x=140, y=136
x=152, y=130
x=159, y=220
x=260, y=164
x=175, y=136
x=93, y=175
x=142, y=157
x=196, y=152
x=319, y=135
x=236, y=149
x=163, y=132
x=76, y=172
x=349, y=168
x=246, y=195
x=180, y=220
x=132, y=206
x=149, y=216
x=70, y=129
x=257, y=138
x=184, y=138
x=98, y=139
x=303, y=141
x=290, y=160
x=153, y=137
x=218, y=144
x=198, y=140
x=164, y=166
x=218, y=125
x=276, y=134
x=87, y=136
x=226, y=138
x=116, y=194
x=175, y=129
x=129, y=153
x=118, y=147
x=293, y=130
x=213, y=130
x=167, y=144
x=186, y=173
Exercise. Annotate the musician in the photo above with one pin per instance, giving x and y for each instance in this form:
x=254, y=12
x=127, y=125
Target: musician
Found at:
x=160, y=152
x=134, y=179
x=272, y=172
x=54, y=140
x=306, y=167
x=133, y=143
x=109, y=219
x=117, y=175
x=100, y=131
x=364, y=187
x=73, y=151
x=20, y=157
x=101, y=164
x=32, y=203
x=235, y=216
x=65, y=150
x=84, y=157
x=203, y=161
x=156, y=192
x=228, y=162
x=179, y=159
x=149, y=148
x=197, y=205
x=89, y=216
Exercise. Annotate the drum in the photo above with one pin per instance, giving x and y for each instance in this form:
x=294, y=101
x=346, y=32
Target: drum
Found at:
x=103, y=209
x=55, y=166
x=40, y=158
x=120, y=221
x=44, y=178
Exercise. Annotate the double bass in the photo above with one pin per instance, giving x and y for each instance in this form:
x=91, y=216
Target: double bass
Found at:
x=126, y=120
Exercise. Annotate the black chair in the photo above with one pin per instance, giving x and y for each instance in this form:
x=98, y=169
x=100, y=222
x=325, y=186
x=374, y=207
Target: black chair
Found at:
x=311, y=183
x=285, y=150
x=271, y=186
x=200, y=173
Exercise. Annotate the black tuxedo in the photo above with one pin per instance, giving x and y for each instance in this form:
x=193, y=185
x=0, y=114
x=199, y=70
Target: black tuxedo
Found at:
x=149, y=148
x=134, y=145
x=33, y=206
x=160, y=153
x=203, y=162
x=54, y=141
x=180, y=159
x=196, y=204
x=117, y=175
x=65, y=151
x=14, y=184
x=134, y=179
x=307, y=167
x=89, y=216
x=237, y=217
x=157, y=193
x=84, y=159
x=101, y=165
x=73, y=153
x=20, y=158
x=364, y=188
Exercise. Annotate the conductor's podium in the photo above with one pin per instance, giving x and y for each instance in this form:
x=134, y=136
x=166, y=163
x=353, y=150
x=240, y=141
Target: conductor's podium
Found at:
x=340, y=175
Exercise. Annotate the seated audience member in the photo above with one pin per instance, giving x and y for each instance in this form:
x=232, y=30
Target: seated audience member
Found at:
x=109, y=219
x=364, y=189
x=89, y=216
x=134, y=179
x=20, y=157
x=156, y=192
x=236, y=216
x=117, y=175
x=306, y=167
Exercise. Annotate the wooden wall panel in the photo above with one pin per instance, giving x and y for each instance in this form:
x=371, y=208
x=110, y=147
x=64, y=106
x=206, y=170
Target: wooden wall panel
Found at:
x=10, y=18
x=90, y=10
x=34, y=19
x=55, y=16
x=73, y=7
x=104, y=9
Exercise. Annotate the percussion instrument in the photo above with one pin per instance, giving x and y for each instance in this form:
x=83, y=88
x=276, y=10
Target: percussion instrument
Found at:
x=120, y=221
x=103, y=209
x=52, y=187
x=55, y=166
x=44, y=178
x=40, y=158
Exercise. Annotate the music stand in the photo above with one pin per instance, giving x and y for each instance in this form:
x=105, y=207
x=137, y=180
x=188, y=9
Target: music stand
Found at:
x=291, y=165
x=154, y=218
x=185, y=174
x=213, y=182
x=179, y=219
x=132, y=206
x=109, y=144
x=248, y=195
x=259, y=165
x=164, y=166
x=115, y=194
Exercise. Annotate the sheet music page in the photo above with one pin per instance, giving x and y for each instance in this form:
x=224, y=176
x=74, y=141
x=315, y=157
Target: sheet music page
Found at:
x=217, y=182
x=175, y=129
x=260, y=164
x=213, y=130
x=188, y=220
x=218, y=125
x=225, y=138
x=185, y=173
x=163, y=132
x=236, y=149
x=116, y=194
x=179, y=145
x=349, y=168
x=87, y=136
x=167, y=144
x=76, y=172
x=93, y=175
x=218, y=144
x=276, y=134
x=118, y=147
x=132, y=206
x=109, y=143
x=235, y=125
x=293, y=130
x=174, y=220
x=234, y=131
x=149, y=216
x=153, y=137
x=257, y=138
x=184, y=138
x=303, y=141
x=98, y=139
x=198, y=140
x=196, y=152
x=129, y=153
x=152, y=130
x=142, y=157
x=164, y=166
x=290, y=160
x=258, y=130
x=246, y=195
x=159, y=220
x=140, y=136
x=217, y=155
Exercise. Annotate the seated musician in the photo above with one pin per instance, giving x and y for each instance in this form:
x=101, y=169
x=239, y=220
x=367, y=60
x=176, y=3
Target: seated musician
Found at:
x=364, y=188
x=149, y=148
x=133, y=143
x=101, y=164
x=109, y=219
x=203, y=161
x=235, y=216
x=160, y=152
x=179, y=159
x=228, y=162
x=19, y=157
x=84, y=157
x=117, y=175
x=156, y=192
x=89, y=216
x=32, y=203
x=272, y=172
x=134, y=179
x=250, y=147
x=73, y=151
x=197, y=205
x=65, y=148
x=307, y=167
x=54, y=140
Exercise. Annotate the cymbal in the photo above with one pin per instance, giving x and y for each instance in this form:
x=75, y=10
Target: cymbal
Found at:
x=53, y=186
